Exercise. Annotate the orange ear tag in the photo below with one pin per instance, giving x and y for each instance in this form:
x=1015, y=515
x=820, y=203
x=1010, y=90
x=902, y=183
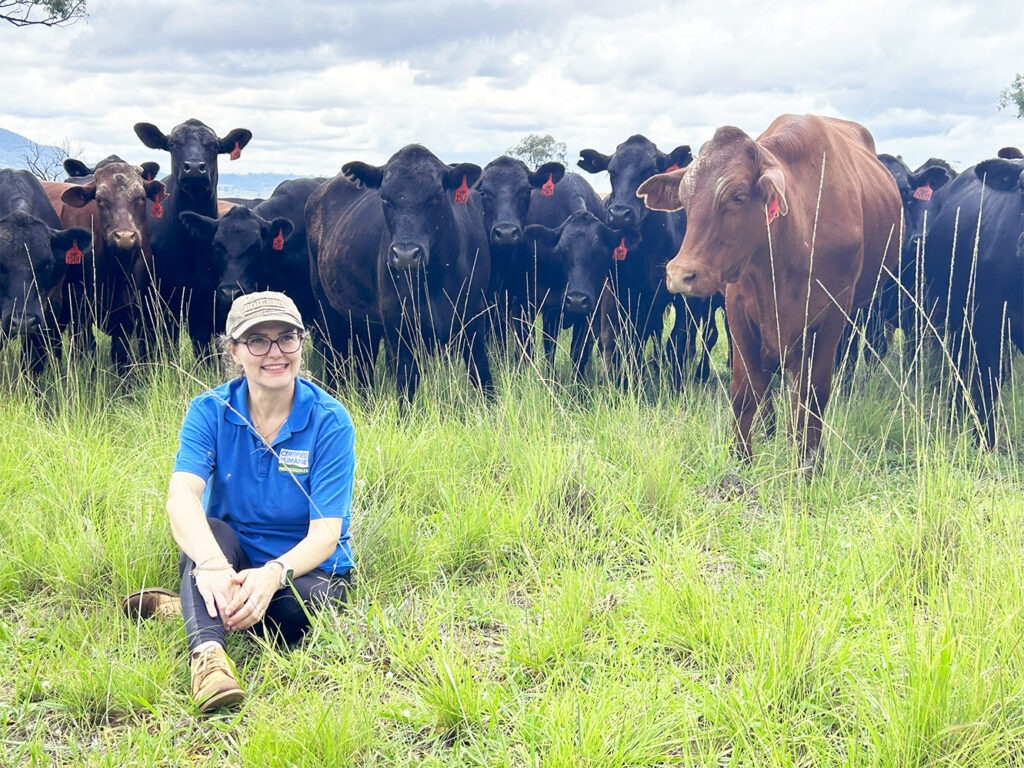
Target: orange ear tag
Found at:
x=619, y=254
x=157, y=210
x=236, y=152
x=462, y=193
x=773, y=209
x=73, y=255
x=278, y=243
x=923, y=192
x=547, y=189
x=673, y=167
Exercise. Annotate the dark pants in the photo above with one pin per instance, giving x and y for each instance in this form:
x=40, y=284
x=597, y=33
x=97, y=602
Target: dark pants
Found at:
x=287, y=617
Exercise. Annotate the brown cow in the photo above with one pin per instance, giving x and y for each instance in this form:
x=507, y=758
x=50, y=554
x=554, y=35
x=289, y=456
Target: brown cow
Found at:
x=806, y=208
x=104, y=287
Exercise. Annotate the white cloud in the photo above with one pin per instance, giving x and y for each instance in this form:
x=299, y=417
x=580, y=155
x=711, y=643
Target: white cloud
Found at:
x=321, y=83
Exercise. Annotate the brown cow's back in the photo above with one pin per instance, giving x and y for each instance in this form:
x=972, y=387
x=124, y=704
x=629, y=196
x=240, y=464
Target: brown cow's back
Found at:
x=858, y=204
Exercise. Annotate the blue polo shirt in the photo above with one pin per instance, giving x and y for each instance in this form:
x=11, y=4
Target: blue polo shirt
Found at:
x=269, y=495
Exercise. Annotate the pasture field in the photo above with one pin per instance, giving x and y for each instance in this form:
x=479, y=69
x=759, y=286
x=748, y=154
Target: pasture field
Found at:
x=557, y=578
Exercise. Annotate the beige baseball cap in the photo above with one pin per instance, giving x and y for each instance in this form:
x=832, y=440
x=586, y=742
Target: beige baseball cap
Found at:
x=261, y=307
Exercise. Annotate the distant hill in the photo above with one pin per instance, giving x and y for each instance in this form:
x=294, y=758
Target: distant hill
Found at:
x=15, y=148
x=248, y=185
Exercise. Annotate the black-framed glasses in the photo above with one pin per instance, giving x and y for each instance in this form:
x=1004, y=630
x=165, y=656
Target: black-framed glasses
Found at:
x=259, y=346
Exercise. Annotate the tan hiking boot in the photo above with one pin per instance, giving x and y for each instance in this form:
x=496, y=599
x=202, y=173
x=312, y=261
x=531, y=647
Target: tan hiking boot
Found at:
x=152, y=603
x=213, y=680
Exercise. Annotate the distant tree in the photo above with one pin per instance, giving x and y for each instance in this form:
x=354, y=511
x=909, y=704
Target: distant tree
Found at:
x=47, y=163
x=534, y=149
x=1014, y=94
x=45, y=13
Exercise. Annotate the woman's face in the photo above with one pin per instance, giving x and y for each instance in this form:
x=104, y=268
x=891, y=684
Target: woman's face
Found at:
x=275, y=369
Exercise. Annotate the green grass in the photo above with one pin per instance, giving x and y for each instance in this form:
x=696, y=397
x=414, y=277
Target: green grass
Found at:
x=557, y=578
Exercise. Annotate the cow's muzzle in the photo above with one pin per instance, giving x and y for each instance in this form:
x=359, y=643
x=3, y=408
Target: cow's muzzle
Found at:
x=406, y=256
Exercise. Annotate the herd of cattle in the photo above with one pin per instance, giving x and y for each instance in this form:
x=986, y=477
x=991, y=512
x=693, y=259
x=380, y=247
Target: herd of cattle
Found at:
x=803, y=234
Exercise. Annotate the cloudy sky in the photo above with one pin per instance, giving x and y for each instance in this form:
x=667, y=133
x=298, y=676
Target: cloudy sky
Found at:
x=322, y=82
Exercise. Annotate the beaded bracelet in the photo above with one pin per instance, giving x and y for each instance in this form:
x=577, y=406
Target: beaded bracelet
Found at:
x=204, y=567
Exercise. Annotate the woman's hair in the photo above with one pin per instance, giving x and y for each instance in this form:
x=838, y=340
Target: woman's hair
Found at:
x=232, y=369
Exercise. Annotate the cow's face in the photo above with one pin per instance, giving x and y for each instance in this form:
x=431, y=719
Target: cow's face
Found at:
x=416, y=194
x=916, y=189
x=582, y=248
x=120, y=191
x=242, y=242
x=726, y=193
x=33, y=260
x=505, y=191
x=635, y=160
x=194, y=148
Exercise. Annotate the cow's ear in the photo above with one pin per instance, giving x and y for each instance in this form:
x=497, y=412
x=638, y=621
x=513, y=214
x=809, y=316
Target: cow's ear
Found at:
x=552, y=171
x=772, y=187
x=201, y=227
x=149, y=170
x=456, y=174
x=934, y=176
x=76, y=169
x=152, y=136
x=363, y=174
x=1003, y=175
x=541, y=235
x=661, y=191
x=593, y=161
x=234, y=141
x=1010, y=153
x=276, y=232
x=63, y=239
x=154, y=189
x=681, y=156
x=79, y=195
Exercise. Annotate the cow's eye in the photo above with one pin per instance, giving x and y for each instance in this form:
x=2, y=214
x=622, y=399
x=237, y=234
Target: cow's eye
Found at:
x=739, y=198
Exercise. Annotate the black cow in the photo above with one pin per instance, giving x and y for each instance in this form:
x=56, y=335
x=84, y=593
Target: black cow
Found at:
x=399, y=250
x=582, y=250
x=515, y=198
x=633, y=310
x=901, y=303
x=186, y=276
x=261, y=249
x=974, y=265
x=34, y=255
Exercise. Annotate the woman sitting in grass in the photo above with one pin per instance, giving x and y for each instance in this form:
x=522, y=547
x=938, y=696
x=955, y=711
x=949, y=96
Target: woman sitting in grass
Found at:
x=259, y=500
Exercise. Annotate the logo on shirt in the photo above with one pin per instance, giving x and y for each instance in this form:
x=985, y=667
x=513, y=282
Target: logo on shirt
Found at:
x=293, y=462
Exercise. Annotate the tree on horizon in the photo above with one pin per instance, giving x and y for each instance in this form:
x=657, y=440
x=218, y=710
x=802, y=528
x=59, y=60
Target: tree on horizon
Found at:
x=42, y=13
x=1014, y=94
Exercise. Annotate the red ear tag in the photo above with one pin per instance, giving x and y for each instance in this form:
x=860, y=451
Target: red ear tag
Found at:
x=619, y=254
x=547, y=189
x=773, y=209
x=73, y=255
x=462, y=193
x=236, y=152
x=673, y=167
x=923, y=192
x=278, y=243
x=157, y=210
